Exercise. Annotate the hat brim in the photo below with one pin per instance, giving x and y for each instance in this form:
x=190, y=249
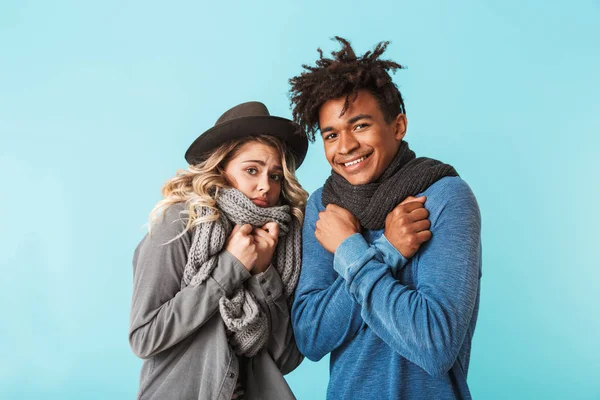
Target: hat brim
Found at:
x=281, y=128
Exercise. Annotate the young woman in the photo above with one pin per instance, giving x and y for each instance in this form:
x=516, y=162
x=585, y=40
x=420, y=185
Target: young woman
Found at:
x=215, y=276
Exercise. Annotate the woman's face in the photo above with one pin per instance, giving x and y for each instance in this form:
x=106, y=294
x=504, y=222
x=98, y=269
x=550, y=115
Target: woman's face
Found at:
x=256, y=171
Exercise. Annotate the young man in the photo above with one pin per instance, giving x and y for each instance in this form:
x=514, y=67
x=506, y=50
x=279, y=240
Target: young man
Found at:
x=390, y=282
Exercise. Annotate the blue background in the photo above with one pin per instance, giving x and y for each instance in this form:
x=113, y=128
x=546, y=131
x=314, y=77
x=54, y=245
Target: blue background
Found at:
x=99, y=101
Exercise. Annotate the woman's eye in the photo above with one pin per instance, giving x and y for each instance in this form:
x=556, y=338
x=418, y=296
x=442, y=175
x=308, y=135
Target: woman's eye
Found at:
x=251, y=171
x=276, y=177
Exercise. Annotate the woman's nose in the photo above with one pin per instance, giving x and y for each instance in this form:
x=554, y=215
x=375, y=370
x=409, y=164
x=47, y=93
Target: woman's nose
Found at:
x=263, y=184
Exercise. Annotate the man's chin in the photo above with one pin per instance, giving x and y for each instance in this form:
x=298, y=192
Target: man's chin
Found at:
x=357, y=176
x=356, y=179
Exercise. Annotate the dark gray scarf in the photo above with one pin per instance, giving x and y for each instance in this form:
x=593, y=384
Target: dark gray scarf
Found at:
x=370, y=203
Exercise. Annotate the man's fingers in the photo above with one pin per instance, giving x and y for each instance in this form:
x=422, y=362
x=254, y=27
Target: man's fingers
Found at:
x=419, y=214
x=413, y=205
x=406, y=208
x=322, y=215
x=411, y=199
x=333, y=213
x=421, y=225
x=423, y=236
x=342, y=212
x=334, y=208
x=331, y=207
x=408, y=199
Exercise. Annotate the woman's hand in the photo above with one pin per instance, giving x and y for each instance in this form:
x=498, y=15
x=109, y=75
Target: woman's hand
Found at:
x=266, y=240
x=242, y=245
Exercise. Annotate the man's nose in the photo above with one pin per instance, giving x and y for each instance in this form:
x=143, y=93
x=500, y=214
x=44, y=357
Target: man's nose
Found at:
x=347, y=143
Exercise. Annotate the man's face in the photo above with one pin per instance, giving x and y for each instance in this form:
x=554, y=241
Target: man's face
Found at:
x=360, y=144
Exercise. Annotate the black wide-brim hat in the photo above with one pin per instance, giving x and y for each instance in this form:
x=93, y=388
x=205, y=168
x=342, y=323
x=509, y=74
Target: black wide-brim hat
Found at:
x=248, y=119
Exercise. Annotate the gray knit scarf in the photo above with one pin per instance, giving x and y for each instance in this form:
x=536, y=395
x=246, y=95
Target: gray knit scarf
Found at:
x=370, y=203
x=245, y=320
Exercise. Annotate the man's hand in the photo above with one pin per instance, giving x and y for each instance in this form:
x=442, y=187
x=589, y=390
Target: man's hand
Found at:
x=407, y=226
x=241, y=244
x=335, y=224
x=266, y=242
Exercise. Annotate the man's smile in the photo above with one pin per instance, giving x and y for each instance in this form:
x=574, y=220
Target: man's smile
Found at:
x=354, y=162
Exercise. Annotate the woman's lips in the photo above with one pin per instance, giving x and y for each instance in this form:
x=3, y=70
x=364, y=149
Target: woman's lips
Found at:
x=260, y=202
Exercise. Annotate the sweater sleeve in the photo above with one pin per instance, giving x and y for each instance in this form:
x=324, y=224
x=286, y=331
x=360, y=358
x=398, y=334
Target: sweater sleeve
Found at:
x=163, y=314
x=426, y=323
x=268, y=290
x=324, y=314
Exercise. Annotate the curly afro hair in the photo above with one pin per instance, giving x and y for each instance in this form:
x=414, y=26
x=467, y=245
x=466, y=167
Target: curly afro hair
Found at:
x=344, y=75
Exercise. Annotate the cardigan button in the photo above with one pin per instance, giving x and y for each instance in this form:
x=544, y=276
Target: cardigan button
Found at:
x=231, y=375
x=263, y=281
x=269, y=293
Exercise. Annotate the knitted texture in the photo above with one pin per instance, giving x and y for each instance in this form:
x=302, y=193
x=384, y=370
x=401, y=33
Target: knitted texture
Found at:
x=242, y=313
x=371, y=202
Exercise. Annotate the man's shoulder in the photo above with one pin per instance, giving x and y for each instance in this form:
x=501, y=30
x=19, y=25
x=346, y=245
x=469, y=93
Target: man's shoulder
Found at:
x=314, y=201
x=453, y=195
x=449, y=189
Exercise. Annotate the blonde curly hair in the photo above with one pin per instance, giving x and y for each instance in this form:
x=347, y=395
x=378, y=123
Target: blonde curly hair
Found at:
x=200, y=184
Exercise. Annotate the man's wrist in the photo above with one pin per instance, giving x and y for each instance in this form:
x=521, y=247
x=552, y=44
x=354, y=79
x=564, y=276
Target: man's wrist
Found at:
x=391, y=255
x=347, y=257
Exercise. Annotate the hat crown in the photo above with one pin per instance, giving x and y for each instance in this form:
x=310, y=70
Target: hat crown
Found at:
x=248, y=119
x=248, y=109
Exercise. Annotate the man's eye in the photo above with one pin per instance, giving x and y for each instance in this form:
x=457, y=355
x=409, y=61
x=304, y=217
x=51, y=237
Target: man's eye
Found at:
x=330, y=136
x=361, y=126
x=251, y=171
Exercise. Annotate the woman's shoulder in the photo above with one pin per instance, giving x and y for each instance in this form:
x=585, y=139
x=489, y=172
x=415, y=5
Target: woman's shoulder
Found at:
x=176, y=212
x=171, y=222
x=167, y=232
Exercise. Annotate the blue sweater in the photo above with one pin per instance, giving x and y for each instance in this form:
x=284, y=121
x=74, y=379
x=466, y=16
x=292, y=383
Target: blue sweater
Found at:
x=395, y=328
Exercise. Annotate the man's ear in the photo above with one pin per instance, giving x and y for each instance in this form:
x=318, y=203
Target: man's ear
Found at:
x=400, y=123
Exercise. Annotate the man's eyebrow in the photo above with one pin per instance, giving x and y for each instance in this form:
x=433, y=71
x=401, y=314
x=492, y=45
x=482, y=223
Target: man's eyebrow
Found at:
x=359, y=117
x=350, y=122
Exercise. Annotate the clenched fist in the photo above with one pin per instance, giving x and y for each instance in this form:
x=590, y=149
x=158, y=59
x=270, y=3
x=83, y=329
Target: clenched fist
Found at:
x=407, y=226
x=266, y=241
x=335, y=224
x=242, y=245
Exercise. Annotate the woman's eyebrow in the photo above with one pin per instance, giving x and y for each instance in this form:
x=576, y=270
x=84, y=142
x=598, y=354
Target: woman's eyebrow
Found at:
x=262, y=164
x=255, y=161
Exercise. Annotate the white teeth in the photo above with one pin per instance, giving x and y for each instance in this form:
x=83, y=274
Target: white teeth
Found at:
x=354, y=162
